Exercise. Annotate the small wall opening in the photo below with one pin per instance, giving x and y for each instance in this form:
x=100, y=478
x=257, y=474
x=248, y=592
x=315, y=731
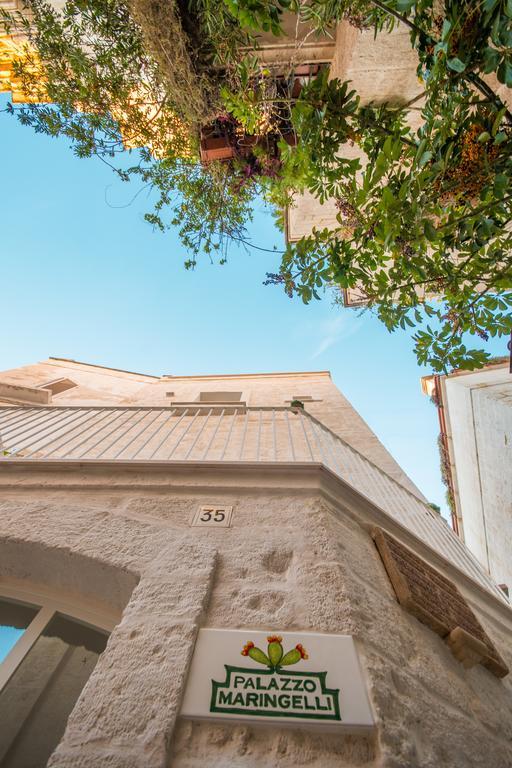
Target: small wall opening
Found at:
x=59, y=385
x=219, y=397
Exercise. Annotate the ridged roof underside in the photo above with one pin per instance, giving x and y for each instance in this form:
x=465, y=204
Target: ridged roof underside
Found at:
x=223, y=433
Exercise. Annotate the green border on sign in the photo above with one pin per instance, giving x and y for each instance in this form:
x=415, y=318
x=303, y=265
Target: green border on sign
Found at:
x=333, y=693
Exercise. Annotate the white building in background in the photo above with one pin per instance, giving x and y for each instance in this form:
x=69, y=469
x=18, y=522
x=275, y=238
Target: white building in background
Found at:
x=231, y=570
x=475, y=412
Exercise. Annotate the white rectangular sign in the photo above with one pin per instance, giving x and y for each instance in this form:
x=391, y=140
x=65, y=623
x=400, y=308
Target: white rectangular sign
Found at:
x=279, y=677
x=213, y=515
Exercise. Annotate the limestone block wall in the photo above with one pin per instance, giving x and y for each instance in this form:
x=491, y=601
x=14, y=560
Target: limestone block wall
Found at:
x=293, y=559
x=382, y=68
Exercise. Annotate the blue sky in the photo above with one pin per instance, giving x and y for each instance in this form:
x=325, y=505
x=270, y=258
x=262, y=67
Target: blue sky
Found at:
x=8, y=637
x=83, y=276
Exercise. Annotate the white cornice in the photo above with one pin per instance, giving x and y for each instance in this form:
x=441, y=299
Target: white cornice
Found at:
x=278, y=375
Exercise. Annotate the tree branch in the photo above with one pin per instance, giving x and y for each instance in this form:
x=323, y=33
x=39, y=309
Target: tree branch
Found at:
x=397, y=15
x=475, y=212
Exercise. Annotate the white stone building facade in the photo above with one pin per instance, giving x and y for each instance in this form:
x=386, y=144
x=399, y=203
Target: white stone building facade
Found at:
x=475, y=410
x=102, y=473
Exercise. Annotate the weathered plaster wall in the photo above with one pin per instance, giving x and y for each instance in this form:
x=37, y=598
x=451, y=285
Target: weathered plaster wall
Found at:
x=95, y=385
x=492, y=409
x=381, y=69
x=479, y=411
x=291, y=560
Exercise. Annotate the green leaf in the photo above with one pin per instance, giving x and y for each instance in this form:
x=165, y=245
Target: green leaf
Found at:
x=429, y=230
x=492, y=59
x=404, y=189
x=456, y=64
x=447, y=25
x=502, y=72
x=508, y=74
x=497, y=120
x=501, y=183
x=388, y=199
x=386, y=147
x=420, y=150
x=484, y=136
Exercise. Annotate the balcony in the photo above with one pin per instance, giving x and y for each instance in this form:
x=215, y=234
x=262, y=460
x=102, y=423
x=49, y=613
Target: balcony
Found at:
x=231, y=433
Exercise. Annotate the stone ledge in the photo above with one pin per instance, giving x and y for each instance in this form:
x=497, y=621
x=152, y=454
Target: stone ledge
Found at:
x=16, y=393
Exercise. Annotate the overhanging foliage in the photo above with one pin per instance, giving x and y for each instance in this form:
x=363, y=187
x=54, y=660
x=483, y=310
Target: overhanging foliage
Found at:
x=424, y=223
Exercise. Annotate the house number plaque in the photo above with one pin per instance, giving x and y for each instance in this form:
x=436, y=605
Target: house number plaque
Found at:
x=213, y=515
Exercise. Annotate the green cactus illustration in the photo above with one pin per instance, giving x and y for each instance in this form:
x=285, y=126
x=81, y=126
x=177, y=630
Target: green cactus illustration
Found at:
x=256, y=654
x=275, y=649
x=292, y=657
x=275, y=659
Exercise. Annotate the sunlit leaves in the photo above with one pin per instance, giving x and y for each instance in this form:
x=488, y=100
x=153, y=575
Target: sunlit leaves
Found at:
x=427, y=219
x=424, y=217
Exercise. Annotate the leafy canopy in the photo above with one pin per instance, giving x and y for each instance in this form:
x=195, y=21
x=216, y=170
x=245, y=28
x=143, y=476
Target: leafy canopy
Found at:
x=424, y=214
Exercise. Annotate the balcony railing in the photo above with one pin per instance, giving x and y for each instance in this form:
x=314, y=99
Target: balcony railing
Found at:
x=221, y=434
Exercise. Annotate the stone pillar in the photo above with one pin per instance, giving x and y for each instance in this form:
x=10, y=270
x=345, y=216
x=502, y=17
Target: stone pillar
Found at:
x=126, y=713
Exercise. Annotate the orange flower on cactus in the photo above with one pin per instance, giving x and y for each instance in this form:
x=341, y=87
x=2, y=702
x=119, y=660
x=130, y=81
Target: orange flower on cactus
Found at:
x=247, y=647
x=302, y=651
x=274, y=639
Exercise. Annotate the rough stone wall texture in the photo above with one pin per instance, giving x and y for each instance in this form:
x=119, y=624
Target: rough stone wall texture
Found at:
x=328, y=577
x=289, y=561
x=359, y=58
x=127, y=710
x=433, y=711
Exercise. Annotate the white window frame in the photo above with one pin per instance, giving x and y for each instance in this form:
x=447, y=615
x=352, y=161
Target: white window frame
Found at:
x=49, y=605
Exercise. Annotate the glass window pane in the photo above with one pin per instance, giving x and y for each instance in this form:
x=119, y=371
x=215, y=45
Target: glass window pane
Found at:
x=37, y=700
x=14, y=619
